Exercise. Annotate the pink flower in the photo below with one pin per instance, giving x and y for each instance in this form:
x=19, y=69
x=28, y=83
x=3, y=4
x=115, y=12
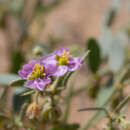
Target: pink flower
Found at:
x=61, y=61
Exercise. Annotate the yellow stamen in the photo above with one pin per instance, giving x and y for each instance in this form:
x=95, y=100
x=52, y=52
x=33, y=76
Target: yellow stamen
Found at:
x=63, y=58
x=38, y=72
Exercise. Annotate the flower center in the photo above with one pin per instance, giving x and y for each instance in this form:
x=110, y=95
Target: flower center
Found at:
x=63, y=58
x=38, y=72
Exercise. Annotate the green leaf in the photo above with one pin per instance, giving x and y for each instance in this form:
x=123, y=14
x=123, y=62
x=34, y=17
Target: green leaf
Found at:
x=105, y=42
x=103, y=95
x=111, y=13
x=66, y=127
x=28, y=93
x=18, y=99
x=7, y=78
x=113, y=46
x=94, y=58
x=17, y=59
x=19, y=82
x=21, y=90
x=117, y=55
x=110, y=16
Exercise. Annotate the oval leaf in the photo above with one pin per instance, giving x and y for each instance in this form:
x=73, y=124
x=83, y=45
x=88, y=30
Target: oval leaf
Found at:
x=6, y=78
x=18, y=99
x=94, y=58
x=19, y=82
x=116, y=56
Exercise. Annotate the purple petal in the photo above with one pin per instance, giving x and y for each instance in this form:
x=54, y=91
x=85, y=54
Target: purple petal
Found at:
x=23, y=74
x=38, y=83
x=60, y=71
x=50, y=59
x=30, y=64
x=47, y=80
x=74, y=63
x=26, y=70
x=60, y=51
x=50, y=69
x=30, y=84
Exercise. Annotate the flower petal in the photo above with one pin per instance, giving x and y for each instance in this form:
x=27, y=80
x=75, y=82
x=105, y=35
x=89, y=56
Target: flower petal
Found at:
x=60, y=71
x=50, y=59
x=50, y=69
x=60, y=51
x=27, y=68
x=47, y=80
x=74, y=63
x=30, y=84
x=38, y=83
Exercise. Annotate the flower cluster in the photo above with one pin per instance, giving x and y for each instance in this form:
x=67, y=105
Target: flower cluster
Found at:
x=38, y=72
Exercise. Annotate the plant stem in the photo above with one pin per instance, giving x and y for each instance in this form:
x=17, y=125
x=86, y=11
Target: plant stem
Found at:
x=95, y=115
x=96, y=109
x=119, y=107
x=23, y=111
x=116, y=85
x=85, y=55
x=70, y=73
x=68, y=99
x=67, y=107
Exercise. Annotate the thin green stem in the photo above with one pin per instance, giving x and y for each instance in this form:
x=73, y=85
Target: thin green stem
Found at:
x=70, y=73
x=116, y=87
x=97, y=109
x=85, y=55
x=68, y=99
x=119, y=107
x=95, y=115
x=67, y=107
x=23, y=111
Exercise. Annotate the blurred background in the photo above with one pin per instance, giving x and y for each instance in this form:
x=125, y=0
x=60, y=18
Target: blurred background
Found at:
x=26, y=25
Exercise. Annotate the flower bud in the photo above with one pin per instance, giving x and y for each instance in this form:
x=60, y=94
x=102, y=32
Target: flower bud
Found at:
x=33, y=111
x=38, y=51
